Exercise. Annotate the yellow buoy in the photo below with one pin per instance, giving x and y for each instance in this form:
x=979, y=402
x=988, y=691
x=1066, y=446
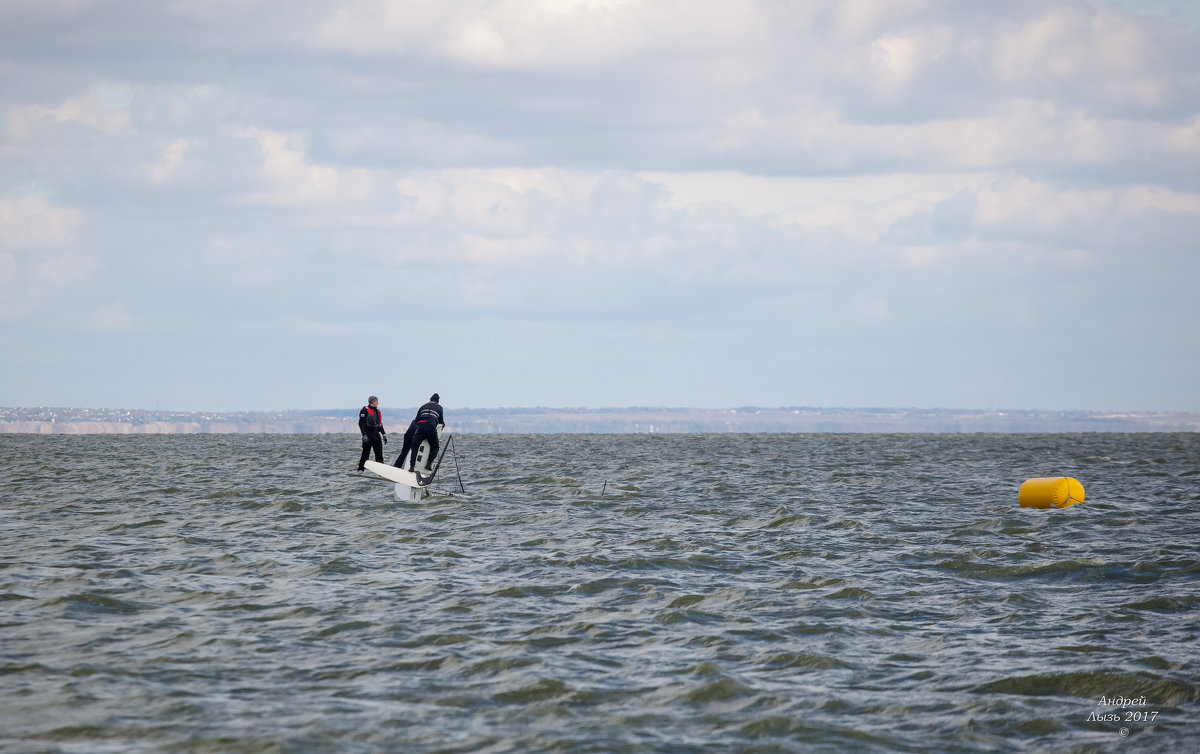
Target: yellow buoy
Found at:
x=1050, y=492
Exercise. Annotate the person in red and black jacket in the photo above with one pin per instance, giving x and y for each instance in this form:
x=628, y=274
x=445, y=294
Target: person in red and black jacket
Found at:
x=370, y=423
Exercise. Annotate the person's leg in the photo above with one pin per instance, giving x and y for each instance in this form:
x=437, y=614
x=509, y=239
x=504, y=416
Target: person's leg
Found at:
x=421, y=434
x=408, y=443
x=433, y=450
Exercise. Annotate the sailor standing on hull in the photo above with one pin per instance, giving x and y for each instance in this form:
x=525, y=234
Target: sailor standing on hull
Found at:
x=428, y=418
x=370, y=423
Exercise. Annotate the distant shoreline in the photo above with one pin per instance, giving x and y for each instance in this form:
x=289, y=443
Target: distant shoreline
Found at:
x=635, y=420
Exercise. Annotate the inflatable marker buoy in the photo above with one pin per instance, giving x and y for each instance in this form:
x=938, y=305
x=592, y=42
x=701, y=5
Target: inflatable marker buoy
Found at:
x=1050, y=492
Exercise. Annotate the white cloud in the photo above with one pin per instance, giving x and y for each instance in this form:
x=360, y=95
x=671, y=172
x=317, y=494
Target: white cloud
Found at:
x=28, y=285
x=1110, y=54
x=104, y=108
x=111, y=317
x=289, y=179
x=37, y=253
x=547, y=36
x=163, y=170
x=31, y=222
x=60, y=271
x=8, y=269
x=1045, y=212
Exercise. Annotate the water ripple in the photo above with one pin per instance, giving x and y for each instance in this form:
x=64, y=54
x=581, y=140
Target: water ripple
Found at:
x=599, y=593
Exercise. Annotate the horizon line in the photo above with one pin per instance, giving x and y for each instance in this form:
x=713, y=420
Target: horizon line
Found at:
x=644, y=407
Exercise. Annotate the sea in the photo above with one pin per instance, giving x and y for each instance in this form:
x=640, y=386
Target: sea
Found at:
x=600, y=593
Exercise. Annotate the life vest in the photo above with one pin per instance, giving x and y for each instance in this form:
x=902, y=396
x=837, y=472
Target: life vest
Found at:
x=366, y=412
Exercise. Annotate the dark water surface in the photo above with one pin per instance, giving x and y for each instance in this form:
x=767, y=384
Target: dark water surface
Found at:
x=600, y=593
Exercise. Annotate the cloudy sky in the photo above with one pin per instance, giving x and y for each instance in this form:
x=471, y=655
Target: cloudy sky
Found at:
x=242, y=205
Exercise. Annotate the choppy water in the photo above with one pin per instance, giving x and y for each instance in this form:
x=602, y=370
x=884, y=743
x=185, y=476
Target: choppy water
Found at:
x=599, y=594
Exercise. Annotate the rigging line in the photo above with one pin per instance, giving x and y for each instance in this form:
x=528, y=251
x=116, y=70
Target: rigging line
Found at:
x=441, y=455
x=437, y=466
x=457, y=472
x=449, y=447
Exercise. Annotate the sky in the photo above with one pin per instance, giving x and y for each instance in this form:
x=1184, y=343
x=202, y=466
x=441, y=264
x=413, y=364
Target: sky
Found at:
x=230, y=205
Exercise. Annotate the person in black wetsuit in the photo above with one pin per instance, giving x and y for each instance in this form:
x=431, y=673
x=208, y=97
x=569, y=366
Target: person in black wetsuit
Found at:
x=370, y=423
x=408, y=443
x=427, y=420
